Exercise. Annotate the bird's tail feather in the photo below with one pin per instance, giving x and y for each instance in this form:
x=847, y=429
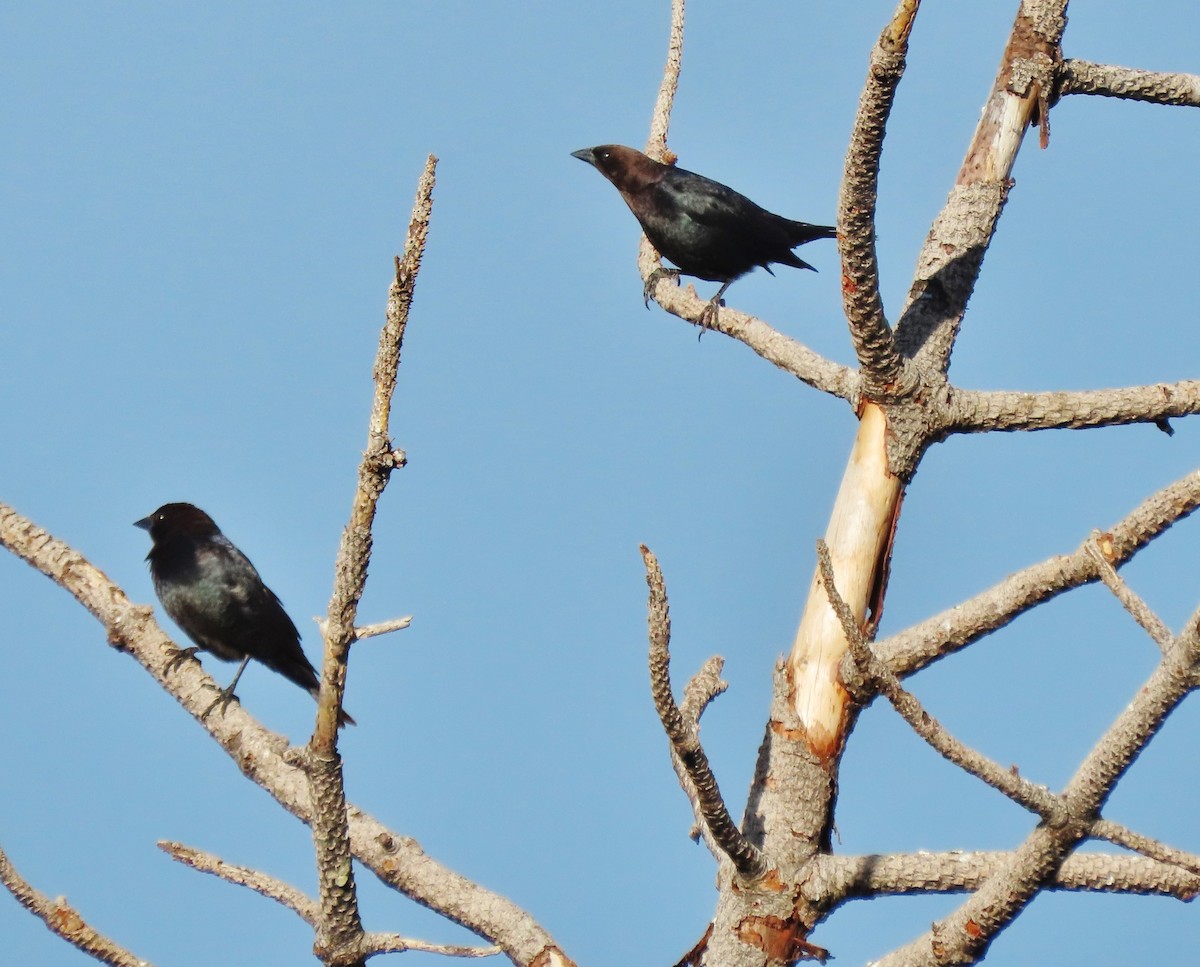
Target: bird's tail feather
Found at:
x=801, y=232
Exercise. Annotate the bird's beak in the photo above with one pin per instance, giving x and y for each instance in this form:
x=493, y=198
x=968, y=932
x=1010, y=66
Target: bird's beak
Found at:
x=144, y=523
x=585, y=154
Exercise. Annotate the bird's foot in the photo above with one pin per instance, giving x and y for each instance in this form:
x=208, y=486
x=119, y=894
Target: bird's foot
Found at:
x=659, y=273
x=709, y=314
x=181, y=655
x=224, y=697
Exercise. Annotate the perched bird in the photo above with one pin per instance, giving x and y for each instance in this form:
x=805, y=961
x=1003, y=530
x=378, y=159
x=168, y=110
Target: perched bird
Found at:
x=212, y=591
x=707, y=229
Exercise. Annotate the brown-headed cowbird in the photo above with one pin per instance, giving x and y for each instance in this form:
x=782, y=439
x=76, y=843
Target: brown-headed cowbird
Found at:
x=707, y=229
x=212, y=591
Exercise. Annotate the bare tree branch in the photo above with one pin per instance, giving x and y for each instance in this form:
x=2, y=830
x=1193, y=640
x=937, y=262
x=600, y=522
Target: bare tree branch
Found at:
x=379, y=459
x=944, y=633
x=950, y=260
x=788, y=354
x=1032, y=796
x=308, y=909
x=660, y=120
x=852, y=877
x=382, y=628
x=63, y=920
x=1037, y=798
x=394, y=943
x=284, y=893
x=964, y=936
x=649, y=261
x=1151, y=848
x=703, y=687
x=1141, y=612
x=372, y=630
x=1083, y=77
x=745, y=856
x=340, y=931
x=975, y=411
x=873, y=342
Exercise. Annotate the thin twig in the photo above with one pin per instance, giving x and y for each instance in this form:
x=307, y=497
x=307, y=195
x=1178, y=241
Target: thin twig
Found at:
x=660, y=120
x=62, y=919
x=382, y=627
x=699, y=692
x=649, y=261
x=304, y=906
x=1118, y=835
x=1141, y=612
x=744, y=855
x=307, y=908
x=392, y=943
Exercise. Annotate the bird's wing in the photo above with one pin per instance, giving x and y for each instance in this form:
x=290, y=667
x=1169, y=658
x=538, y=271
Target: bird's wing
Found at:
x=710, y=203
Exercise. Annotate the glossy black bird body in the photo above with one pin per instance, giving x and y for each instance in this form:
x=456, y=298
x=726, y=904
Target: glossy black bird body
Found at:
x=212, y=591
x=705, y=228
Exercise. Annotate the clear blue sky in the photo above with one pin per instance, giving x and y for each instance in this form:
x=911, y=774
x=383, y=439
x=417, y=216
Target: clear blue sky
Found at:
x=201, y=207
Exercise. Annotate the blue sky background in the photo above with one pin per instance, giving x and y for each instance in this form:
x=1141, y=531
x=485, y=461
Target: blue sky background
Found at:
x=201, y=209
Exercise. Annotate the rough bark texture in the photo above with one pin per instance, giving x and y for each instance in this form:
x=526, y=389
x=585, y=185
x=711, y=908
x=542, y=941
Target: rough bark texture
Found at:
x=777, y=878
x=906, y=403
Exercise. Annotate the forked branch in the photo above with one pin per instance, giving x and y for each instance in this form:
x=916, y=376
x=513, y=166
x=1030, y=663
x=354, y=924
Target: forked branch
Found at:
x=744, y=855
x=340, y=935
x=947, y=632
x=1051, y=807
x=305, y=907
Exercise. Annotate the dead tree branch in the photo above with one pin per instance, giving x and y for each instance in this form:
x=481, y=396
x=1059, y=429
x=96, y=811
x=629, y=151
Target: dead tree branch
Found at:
x=964, y=936
x=976, y=411
x=1084, y=77
x=63, y=920
x=1052, y=808
x=700, y=690
x=283, y=893
x=949, y=263
x=340, y=933
x=944, y=633
x=746, y=858
x=853, y=877
x=1141, y=612
x=873, y=341
x=305, y=907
